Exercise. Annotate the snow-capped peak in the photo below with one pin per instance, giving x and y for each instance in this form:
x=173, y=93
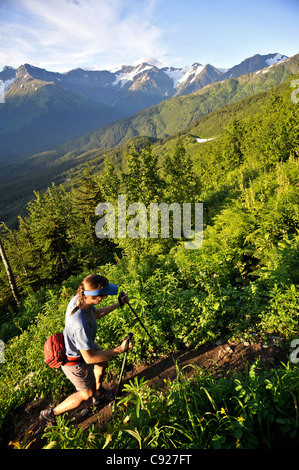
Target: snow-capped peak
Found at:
x=179, y=76
x=7, y=77
x=125, y=77
x=275, y=59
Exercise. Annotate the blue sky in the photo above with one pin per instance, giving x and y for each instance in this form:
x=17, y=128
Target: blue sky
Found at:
x=60, y=35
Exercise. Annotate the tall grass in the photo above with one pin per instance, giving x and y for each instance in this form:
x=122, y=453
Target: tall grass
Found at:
x=256, y=409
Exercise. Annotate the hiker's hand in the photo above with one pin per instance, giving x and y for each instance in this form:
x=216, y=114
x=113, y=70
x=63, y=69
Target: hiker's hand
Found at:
x=131, y=342
x=127, y=345
x=123, y=298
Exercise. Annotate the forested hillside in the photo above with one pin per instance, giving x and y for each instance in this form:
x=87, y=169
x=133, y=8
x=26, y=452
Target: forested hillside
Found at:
x=242, y=282
x=43, y=109
x=243, y=95
x=178, y=113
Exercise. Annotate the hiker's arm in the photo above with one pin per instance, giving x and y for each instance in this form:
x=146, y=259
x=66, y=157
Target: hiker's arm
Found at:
x=101, y=312
x=92, y=356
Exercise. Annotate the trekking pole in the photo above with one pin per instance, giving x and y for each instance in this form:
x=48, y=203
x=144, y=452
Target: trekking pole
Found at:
x=130, y=337
x=141, y=323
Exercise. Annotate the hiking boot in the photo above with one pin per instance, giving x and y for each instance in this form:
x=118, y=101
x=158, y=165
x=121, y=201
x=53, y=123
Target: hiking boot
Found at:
x=47, y=416
x=106, y=395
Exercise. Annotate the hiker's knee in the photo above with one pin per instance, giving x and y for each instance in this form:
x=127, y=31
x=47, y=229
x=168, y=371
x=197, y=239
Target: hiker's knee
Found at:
x=101, y=365
x=86, y=394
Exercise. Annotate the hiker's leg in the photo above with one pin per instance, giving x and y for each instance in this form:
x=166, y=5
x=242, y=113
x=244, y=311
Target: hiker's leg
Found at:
x=83, y=378
x=99, y=372
x=73, y=401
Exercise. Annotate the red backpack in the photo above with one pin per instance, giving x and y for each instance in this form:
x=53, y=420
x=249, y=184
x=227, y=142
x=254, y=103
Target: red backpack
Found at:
x=54, y=351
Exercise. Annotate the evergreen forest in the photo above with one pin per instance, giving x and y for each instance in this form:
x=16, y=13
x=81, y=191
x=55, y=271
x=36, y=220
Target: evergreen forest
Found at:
x=241, y=283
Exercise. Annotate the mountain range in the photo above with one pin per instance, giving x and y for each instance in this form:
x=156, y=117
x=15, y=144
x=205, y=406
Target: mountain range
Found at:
x=178, y=113
x=43, y=109
x=202, y=114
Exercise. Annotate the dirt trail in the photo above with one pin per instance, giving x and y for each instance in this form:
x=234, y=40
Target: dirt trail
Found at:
x=219, y=360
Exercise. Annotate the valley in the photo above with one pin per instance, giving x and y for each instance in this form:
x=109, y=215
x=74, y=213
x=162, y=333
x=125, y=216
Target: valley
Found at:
x=235, y=298
x=209, y=109
x=41, y=110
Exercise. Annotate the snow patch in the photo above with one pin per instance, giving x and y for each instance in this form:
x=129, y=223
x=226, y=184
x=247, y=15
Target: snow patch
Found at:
x=129, y=77
x=179, y=76
x=175, y=76
x=4, y=87
x=275, y=59
x=267, y=69
x=5, y=84
x=200, y=141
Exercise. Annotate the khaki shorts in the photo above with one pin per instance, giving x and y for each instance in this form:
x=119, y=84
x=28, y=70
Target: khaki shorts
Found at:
x=81, y=375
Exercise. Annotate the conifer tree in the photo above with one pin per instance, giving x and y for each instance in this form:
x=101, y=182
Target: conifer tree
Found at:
x=151, y=184
x=233, y=144
x=131, y=179
x=15, y=250
x=109, y=182
x=182, y=184
x=10, y=275
x=84, y=198
x=24, y=241
x=48, y=227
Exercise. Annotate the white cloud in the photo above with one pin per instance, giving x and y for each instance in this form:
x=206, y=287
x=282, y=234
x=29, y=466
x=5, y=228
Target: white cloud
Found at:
x=162, y=62
x=60, y=33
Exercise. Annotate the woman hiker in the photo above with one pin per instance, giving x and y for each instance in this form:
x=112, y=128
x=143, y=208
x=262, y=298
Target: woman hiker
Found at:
x=86, y=361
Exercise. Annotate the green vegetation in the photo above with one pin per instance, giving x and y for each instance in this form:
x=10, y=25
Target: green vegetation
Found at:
x=208, y=111
x=255, y=409
x=179, y=113
x=241, y=283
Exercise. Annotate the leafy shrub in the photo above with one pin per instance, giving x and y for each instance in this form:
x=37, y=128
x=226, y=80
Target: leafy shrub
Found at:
x=255, y=409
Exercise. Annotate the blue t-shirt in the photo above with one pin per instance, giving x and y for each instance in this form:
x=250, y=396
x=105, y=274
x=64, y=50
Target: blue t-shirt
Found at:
x=80, y=329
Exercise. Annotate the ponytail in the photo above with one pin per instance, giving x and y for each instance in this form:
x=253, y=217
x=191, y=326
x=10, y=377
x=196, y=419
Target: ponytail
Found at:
x=80, y=293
